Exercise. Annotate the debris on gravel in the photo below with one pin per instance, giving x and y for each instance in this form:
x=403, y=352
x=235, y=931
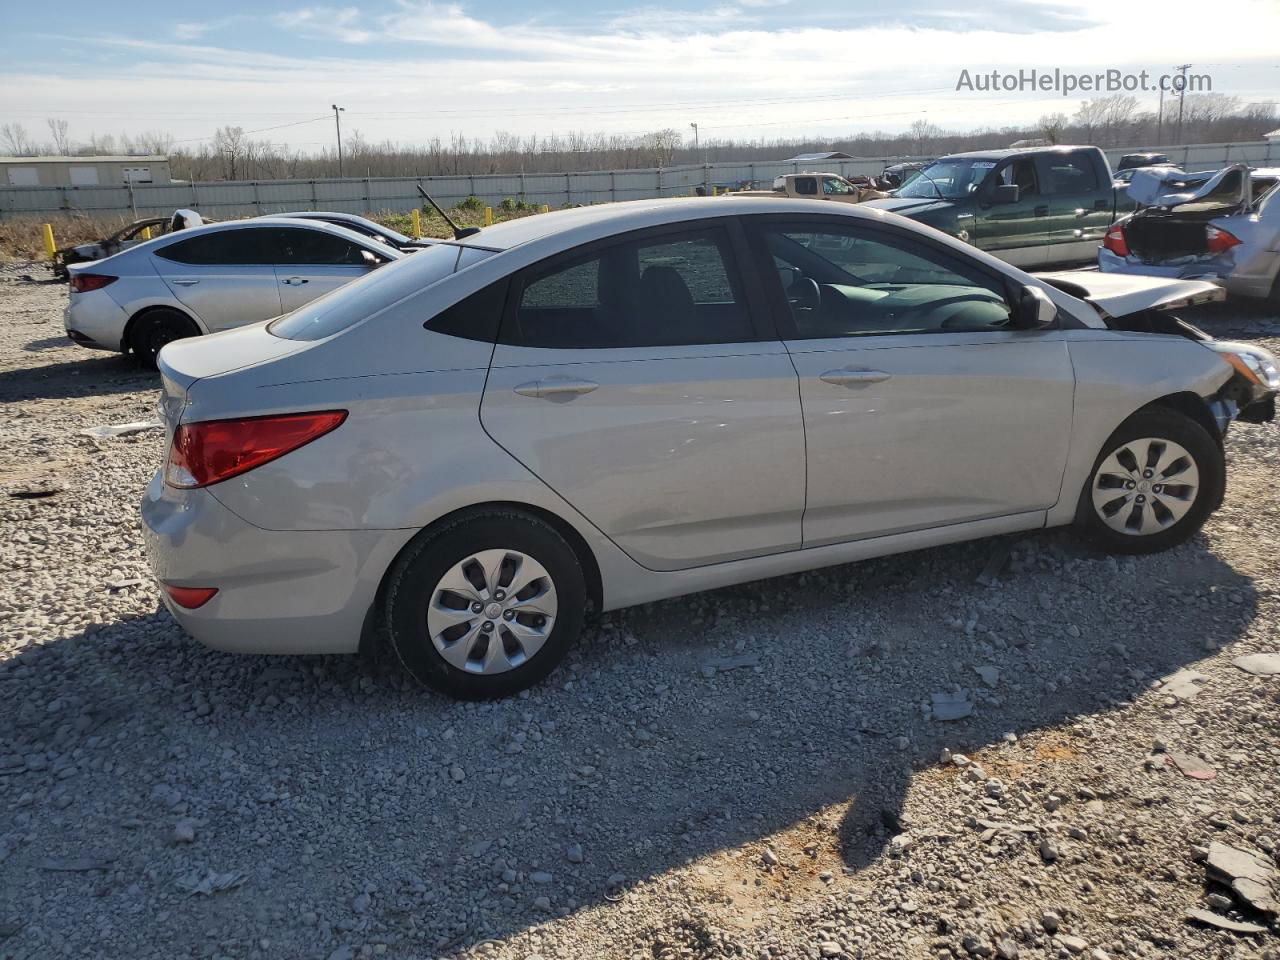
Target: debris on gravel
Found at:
x=973, y=751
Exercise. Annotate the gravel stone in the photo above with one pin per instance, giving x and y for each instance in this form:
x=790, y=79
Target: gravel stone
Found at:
x=338, y=811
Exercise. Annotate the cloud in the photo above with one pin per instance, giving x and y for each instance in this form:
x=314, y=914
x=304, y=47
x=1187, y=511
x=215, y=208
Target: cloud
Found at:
x=331, y=23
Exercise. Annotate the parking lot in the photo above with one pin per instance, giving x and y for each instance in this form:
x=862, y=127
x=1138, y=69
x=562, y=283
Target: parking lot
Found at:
x=754, y=772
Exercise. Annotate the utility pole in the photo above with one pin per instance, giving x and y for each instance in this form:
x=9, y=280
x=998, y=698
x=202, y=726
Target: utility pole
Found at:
x=337, y=122
x=695, y=137
x=1182, y=94
x=1160, y=118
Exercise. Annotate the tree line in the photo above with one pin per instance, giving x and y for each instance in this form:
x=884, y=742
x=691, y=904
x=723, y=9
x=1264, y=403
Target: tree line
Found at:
x=231, y=154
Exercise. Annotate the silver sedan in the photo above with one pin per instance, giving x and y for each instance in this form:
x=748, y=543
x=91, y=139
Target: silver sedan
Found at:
x=212, y=278
x=616, y=404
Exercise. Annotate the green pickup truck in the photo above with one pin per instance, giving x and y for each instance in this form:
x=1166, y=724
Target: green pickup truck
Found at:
x=1031, y=207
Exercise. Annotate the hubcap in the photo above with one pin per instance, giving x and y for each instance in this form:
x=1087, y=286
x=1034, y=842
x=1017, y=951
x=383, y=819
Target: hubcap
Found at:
x=1145, y=486
x=492, y=612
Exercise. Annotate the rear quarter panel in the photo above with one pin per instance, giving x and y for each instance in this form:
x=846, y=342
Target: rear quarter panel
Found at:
x=1116, y=375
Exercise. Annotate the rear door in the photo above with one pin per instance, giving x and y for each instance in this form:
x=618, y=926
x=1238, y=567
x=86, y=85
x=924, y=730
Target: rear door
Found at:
x=1080, y=205
x=310, y=263
x=1016, y=232
x=639, y=380
x=225, y=277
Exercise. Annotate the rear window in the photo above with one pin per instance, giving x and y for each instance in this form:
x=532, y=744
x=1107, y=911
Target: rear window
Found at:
x=355, y=301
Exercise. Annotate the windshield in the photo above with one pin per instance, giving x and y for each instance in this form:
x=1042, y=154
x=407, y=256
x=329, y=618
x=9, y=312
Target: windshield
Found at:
x=948, y=179
x=372, y=293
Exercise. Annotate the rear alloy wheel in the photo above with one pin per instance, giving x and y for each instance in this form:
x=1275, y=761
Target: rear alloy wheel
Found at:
x=487, y=606
x=153, y=330
x=1154, y=484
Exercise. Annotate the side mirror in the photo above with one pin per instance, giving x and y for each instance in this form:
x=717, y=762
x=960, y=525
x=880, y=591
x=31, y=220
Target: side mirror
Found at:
x=370, y=259
x=1006, y=193
x=1035, y=310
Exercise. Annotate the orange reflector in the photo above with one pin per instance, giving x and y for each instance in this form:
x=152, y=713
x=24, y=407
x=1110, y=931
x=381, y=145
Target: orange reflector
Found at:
x=190, y=597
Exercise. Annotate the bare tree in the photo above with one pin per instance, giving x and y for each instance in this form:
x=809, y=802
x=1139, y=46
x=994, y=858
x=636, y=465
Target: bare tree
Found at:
x=923, y=134
x=61, y=141
x=14, y=139
x=230, y=143
x=1052, y=126
x=1090, y=116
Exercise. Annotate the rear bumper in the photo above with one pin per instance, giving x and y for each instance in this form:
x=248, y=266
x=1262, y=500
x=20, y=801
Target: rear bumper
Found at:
x=279, y=592
x=1213, y=270
x=96, y=321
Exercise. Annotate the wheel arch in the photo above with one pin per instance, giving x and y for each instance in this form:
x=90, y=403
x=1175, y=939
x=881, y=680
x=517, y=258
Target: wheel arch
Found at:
x=1191, y=405
x=142, y=312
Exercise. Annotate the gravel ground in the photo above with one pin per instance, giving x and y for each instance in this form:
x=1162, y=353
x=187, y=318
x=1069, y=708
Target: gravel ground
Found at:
x=754, y=772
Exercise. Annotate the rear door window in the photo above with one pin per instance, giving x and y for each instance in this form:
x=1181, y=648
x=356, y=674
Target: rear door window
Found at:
x=1069, y=173
x=674, y=289
x=255, y=246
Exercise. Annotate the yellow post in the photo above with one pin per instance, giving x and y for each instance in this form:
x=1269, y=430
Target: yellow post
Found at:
x=488, y=216
x=416, y=217
x=49, y=248
x=146, y=233
x=545, y=208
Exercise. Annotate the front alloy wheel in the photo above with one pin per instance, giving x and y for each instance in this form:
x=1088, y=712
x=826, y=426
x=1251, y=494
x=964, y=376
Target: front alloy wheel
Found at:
x=1154, y=484
x=1145, y=486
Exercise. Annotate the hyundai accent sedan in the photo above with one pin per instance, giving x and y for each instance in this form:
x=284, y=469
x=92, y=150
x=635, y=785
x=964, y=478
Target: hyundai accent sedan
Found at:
x=616, y=404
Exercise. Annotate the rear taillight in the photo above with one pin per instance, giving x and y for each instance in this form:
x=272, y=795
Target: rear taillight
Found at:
x=1115, y=241
x=84, y=282
x=216, y=450
x=1218, y=241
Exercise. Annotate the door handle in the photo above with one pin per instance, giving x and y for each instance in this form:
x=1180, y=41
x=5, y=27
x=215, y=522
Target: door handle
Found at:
x=1042, y=210
x=852, y=378
x=295, y=281
x=186, y=283
x=555, y=387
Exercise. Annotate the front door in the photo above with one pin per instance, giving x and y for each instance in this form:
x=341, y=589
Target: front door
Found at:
x=1080, y=207
x=922, y=405
x=225, y=277
x=312, y=262
x=637, y=381
x=1018, y=232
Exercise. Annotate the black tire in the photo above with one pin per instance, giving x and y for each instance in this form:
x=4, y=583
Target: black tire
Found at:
x=1163, y=424
x=417, y=573
x=151, y=331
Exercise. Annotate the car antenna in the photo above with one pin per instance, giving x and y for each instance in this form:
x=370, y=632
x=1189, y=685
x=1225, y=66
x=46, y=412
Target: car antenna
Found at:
x=458, y=232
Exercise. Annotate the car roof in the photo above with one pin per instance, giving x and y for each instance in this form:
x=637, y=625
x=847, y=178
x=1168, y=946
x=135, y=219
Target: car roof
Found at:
x=1012, y=152
x=226, y=225
x=581, y=224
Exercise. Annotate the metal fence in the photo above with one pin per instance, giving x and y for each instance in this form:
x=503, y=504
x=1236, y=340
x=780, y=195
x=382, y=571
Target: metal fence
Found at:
x=223, y=199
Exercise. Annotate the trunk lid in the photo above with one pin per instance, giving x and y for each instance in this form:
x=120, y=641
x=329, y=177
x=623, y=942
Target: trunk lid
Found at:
x=1211, y=193
x=1121, y=294
x=184, y=362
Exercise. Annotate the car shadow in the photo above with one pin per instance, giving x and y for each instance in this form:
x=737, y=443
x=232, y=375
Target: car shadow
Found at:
x=90, y=375
x=792, y=713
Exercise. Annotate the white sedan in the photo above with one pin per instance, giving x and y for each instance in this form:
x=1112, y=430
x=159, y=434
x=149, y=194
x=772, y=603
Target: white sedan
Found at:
x=212, y=278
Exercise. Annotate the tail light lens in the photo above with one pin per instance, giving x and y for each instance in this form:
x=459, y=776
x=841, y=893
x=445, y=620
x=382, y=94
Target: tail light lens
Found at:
x=216, y=450
x=1115, y=241
x=84, y=282
x=1219, y=241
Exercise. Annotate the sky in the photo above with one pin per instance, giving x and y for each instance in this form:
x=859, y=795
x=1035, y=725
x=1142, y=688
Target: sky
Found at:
x=408, y=70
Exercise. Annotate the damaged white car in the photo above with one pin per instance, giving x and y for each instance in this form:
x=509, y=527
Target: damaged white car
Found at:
x=1222, y=226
